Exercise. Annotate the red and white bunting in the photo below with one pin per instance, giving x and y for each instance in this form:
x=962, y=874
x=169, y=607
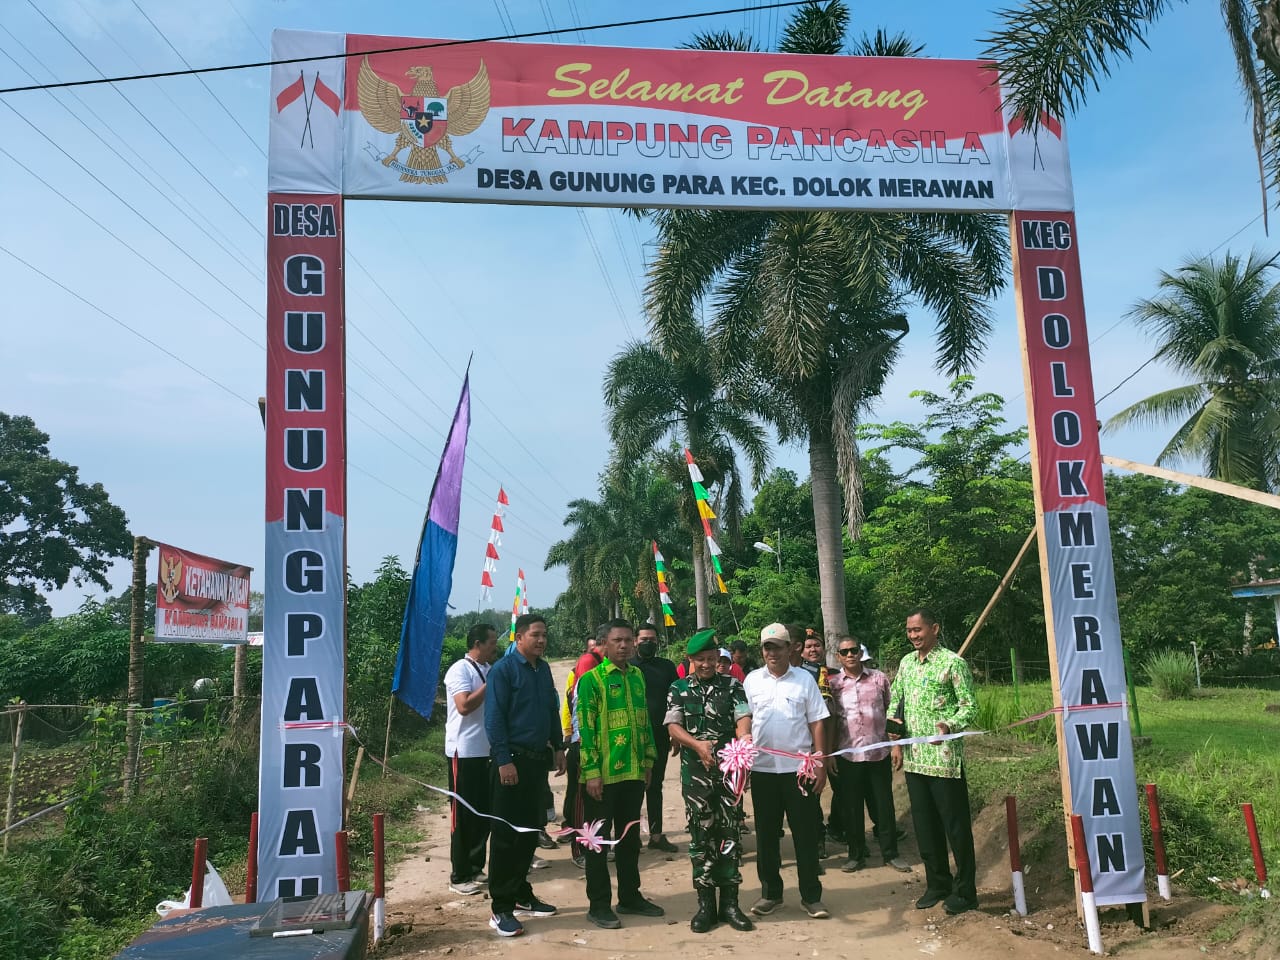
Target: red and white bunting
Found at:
x=491, y=548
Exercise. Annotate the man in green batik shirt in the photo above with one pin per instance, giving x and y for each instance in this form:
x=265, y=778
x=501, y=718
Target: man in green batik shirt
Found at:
x=705, y=710
x=617, y=755
x=932, y=693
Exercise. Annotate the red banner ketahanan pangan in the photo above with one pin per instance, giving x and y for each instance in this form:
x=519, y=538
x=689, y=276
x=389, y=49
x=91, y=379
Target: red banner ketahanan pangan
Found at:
x=200, y=599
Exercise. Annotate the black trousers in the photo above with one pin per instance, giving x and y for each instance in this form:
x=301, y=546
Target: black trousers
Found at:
x=772, y=795
x=469, y=778
x=653, y=794
x=867, y=784
x=571, y=809
x=511, y=851
x=619, y=806
x=940, y=814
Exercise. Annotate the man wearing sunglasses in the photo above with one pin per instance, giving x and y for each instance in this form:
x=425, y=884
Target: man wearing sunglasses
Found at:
x=859, y=701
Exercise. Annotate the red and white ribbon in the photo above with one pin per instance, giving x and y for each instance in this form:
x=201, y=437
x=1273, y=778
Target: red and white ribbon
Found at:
x=736, y=760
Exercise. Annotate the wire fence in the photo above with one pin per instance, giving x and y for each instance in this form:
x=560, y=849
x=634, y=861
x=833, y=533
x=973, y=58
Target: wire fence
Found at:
x=51, y=746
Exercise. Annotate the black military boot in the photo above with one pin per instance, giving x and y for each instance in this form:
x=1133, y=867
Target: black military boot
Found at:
x=705, y=918
x=731, y=913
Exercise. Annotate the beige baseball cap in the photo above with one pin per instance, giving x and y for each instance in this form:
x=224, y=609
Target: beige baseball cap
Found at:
x=775, y=633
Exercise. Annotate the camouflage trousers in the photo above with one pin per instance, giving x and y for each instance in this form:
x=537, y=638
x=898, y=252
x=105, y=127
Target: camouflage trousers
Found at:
x=715, y=827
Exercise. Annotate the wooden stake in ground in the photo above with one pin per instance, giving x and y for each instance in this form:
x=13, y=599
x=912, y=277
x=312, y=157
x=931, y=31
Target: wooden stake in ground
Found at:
x=351, y=789
x=386, y=743
x=13, y=774
x=137, y=613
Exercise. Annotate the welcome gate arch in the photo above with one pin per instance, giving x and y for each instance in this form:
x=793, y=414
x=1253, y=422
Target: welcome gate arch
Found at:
x=366, y=117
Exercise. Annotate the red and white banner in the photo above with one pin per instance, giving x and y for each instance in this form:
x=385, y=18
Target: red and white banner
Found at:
x=200, y=599
x=1075, y=550
x=610, y=126
x=304, y=615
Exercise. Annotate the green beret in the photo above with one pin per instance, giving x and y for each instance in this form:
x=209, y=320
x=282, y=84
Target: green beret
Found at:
x=702, y=640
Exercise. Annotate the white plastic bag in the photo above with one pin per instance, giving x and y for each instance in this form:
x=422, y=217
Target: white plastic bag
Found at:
x=215, y=894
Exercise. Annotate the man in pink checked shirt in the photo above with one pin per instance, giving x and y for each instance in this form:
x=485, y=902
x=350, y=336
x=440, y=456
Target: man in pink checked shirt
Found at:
x=859, y=700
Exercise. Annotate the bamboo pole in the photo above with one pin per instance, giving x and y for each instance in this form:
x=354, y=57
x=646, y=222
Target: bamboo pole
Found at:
x=1000, y=588
x=1191, y=480
x=351, y=790
x=18, y=723
x=137, y=613
x=386, y=743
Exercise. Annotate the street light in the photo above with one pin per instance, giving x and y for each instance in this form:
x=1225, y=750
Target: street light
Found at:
x=765, y=548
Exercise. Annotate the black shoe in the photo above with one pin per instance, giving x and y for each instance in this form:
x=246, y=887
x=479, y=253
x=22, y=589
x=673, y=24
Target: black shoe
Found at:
x=663, y=844
x=533, y=907
x=545, y=841
x=954, y=904
x=579, y=857
x=731, y=913
x=930, y=899
x=705, y=919
x=640, y=907
x=836, y=836
x=604, y=918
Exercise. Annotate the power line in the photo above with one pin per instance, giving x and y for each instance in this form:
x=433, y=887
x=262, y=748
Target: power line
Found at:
x=145, y=119
x=137, y=6
x=433, y=45
x=550, y=511
x=168, y=195
x=136, y=332
x=139, y=254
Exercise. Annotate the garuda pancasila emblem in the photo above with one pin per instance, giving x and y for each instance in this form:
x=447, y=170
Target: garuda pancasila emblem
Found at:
x=423, y=119
x=170, y=577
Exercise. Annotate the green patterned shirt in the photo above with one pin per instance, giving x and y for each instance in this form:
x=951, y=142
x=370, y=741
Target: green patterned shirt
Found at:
x=613, y=721
x=939, y=690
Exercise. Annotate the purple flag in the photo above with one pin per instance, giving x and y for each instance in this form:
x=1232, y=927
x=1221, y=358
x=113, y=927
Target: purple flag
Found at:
x=422, y=633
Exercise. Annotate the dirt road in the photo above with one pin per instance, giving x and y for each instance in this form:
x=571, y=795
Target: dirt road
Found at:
x=873, y=912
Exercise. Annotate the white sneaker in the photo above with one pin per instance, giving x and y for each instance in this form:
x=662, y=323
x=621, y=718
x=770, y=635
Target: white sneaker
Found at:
x=467, y=888
x=538, y=864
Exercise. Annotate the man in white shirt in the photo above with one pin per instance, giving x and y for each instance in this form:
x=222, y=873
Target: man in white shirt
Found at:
x=787, y=713
x=466, y=747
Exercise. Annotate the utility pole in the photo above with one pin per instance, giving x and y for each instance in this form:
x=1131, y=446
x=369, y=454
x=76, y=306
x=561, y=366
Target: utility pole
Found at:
x=137, y=614
x=779, y=550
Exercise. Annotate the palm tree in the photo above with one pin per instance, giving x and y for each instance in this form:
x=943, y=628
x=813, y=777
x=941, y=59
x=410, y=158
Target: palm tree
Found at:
x=607, y=553
x=654, y=399
x=1218, y=323
x=807, y=307
x=1050, y=54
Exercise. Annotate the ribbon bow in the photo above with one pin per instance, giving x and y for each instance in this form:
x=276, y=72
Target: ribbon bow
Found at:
x=588, y=835
x=810, y=764
x=736, y=759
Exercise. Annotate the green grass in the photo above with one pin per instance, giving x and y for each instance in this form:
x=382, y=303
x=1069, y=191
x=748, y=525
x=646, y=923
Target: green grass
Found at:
x=1207, y=755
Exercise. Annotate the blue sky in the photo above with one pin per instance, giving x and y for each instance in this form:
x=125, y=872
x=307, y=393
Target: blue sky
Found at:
x=543, y=297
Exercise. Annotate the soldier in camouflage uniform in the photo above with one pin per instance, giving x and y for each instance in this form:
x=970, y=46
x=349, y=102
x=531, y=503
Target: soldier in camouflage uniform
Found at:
x=706, y=710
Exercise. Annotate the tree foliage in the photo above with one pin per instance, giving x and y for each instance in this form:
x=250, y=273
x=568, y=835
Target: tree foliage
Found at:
x=1178, y=551
x=54, y=528
x=1217, y=323
x=807, y=308
x=1052, y=54
x=950, y=527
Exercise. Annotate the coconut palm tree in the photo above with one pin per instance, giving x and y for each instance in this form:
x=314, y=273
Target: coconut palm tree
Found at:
x=807, y=308
x=1051, y=53
x=608, y=552
x=653, y=400
x=1218, y=324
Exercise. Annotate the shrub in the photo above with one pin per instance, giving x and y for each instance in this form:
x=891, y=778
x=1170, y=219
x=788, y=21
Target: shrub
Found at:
x=1172, y=674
